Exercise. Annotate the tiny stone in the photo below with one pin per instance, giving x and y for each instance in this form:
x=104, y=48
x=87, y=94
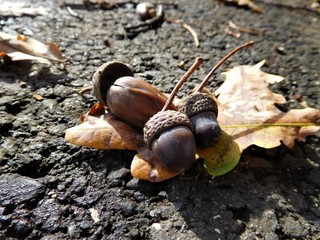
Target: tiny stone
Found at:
x=128, y=208
x=119, y=174
x=156, y=226
x=85, y=225
x=162, y=195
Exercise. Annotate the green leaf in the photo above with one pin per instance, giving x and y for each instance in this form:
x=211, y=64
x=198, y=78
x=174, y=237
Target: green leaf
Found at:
x=222, y=157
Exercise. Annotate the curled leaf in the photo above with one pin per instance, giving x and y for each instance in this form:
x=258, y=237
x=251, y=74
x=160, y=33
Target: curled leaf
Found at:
x=21, y=47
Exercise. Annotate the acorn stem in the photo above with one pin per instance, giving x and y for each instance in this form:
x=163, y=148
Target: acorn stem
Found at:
x=206, y=79
x=191, y=70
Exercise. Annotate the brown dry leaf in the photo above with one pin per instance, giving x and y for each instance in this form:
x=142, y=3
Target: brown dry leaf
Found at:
x=18, y=9
x=247, y=111
x=244, y=3
x=21, y=47
x=101, y=130
x=142, y=169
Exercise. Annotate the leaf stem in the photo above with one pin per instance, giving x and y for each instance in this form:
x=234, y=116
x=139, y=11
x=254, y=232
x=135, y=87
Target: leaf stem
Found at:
x=191, y=70
x=206, y=79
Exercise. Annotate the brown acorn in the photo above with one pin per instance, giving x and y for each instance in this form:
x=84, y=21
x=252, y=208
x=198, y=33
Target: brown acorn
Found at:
x=202, y=111
x=168, y=134
x=130, y=99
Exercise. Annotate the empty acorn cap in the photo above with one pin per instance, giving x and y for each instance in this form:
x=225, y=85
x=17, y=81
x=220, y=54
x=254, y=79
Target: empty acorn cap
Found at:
x=197, y=103
x=105, y=76
x=163, y=121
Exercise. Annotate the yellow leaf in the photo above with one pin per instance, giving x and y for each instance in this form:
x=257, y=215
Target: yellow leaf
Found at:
x=222, y=157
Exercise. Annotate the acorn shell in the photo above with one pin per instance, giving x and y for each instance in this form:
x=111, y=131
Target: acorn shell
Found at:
x=163, y=121
x=105, y=76
x=197, y=103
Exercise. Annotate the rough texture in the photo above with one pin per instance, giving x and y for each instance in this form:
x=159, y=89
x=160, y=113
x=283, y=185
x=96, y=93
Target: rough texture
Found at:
x=197, y=103
x=85, y=193
x=163, y=121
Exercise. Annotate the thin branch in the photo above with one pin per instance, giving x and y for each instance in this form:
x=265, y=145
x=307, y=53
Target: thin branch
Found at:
x=191, y=70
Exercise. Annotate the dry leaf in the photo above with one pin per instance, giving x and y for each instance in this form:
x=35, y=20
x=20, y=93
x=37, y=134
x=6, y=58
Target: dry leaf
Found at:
x=248, y=113
x=19, y=8
x=244, y=3
x=21, y=47
x=142, y=169
x=102, y=130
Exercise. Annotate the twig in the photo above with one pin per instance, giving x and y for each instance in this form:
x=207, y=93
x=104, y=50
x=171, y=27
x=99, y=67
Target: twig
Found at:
x=84, y=90
x=206, y=79
x=187, y=27
x=245, y=30
x=234, y=34
x=247, y=3
x=73, y=13
x=184, y=78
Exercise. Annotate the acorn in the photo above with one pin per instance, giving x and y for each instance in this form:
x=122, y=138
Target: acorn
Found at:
x=105, y=76
x=202, y=111
x=168, y=134
x=130, y=99
x=202, y=108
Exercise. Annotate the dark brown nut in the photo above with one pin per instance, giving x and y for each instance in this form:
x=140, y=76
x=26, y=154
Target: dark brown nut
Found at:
x=105, y=76
x=135, y=101
x=202, y=111
x=168, y=134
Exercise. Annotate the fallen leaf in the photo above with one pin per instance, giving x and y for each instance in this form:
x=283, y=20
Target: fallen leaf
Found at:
x=248, y=113
x=18, y=9
x=103, y=130
x=244, y=3
x=142, y=169
x=222, y=157
x=21, y=47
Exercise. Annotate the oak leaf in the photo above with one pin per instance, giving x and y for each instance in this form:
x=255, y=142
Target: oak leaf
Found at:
x=21, y=47
x=248, y=111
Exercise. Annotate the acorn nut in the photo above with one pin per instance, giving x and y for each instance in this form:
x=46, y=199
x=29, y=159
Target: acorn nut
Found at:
x=135, y=101
x=202, y=111
x=131, y=99
x=168, y=134
x=105, y=76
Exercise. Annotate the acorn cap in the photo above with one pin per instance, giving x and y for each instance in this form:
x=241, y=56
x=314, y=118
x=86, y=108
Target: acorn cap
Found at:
x=162, y=121
x=105, y=76
x=198, y=103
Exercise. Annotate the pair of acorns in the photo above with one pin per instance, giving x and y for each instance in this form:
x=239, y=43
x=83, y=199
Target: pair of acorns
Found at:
x=172, y=133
